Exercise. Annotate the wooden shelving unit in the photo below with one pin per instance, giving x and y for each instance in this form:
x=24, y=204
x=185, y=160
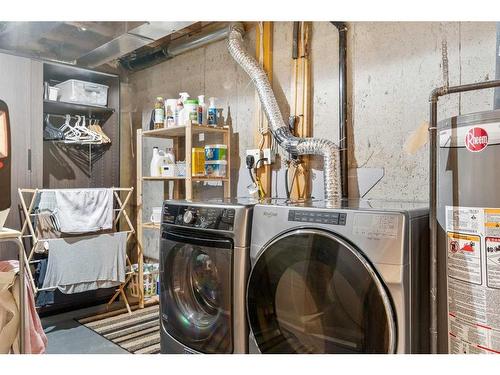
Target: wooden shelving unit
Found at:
x=183, y=186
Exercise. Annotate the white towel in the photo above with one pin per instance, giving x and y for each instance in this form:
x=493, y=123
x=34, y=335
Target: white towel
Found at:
x=84, y=210
x=86, y=263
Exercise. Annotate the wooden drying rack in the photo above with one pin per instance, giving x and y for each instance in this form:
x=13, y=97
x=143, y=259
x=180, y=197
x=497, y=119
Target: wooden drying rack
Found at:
x=119, y=212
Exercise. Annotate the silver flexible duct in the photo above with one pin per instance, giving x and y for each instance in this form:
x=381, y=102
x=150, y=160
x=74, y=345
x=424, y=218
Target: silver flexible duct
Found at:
x=294, y=145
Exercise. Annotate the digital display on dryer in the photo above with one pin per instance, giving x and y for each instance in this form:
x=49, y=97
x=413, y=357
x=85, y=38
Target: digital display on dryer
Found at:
x=319, y=217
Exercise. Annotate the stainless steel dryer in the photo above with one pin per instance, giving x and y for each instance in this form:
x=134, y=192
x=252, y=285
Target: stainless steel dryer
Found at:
x=349, y=279
x=204, y=264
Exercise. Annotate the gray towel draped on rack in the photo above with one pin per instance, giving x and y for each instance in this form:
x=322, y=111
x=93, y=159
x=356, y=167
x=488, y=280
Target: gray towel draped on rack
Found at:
x=80, y=264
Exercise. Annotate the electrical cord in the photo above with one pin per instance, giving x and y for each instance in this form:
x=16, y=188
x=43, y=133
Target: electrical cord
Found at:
x=287, y=189
x=250, y=161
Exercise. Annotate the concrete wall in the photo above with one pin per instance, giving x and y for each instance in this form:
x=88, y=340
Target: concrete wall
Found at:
x=392, y=68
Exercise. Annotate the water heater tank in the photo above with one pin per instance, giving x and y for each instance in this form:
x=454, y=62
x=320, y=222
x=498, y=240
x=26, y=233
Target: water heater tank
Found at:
x=469, y=233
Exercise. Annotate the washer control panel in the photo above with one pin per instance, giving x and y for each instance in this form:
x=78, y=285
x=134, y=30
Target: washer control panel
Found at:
x=199, y=217
x=319, y=217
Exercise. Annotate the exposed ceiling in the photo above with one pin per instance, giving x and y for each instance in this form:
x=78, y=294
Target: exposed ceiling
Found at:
x=89, y=44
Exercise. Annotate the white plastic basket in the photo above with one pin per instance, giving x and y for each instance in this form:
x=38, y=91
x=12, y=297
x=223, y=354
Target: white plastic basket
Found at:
x=151, y=276
x=75, y=91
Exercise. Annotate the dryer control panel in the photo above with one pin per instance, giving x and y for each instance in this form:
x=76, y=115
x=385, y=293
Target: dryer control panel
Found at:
x=199, y=217
x=319, y=217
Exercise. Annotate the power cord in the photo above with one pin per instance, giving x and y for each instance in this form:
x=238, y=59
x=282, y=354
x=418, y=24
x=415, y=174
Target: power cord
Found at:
x=252, y=167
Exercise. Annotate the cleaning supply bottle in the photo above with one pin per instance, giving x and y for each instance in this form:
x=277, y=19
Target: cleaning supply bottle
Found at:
x=156, y=162
x=159, y=116
x=181, y=105
x=191, y=108
x=212, y=112
x=169, y=156
x=202, y=110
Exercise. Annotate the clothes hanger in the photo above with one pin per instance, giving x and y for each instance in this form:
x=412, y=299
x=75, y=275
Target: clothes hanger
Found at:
x=71, y=134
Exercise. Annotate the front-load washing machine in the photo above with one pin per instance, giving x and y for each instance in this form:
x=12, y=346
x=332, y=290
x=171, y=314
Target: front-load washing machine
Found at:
x=347, y=279
x=204, y=264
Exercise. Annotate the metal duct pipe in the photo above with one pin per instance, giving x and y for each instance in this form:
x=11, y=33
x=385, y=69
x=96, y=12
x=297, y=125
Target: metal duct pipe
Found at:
x=175, y=48
x=434, y=97
x=344, y=165
x=280, y=130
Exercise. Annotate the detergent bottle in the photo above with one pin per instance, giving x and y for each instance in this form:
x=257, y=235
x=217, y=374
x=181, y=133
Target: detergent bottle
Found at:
x=156, y=162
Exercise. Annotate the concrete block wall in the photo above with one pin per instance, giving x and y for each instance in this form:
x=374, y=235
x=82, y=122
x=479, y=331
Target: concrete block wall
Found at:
x=393, y=66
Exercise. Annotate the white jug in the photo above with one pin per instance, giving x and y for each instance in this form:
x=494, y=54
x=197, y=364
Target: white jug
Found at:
x=156, y=162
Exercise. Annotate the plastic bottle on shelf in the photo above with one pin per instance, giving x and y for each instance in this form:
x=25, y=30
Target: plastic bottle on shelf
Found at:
x=181, y=106
x=169, y=156
x=212, y=112
x=170, y=111
x=191, y=108
x=156, y=162
x=202, y=110
x=159, y=113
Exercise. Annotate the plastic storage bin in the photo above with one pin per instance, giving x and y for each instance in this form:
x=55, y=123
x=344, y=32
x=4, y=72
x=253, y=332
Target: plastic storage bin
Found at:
x=75, y=91
x=216, y=168
x=215, y=152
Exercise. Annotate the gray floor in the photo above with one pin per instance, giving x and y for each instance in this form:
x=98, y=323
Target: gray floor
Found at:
x=67, y=336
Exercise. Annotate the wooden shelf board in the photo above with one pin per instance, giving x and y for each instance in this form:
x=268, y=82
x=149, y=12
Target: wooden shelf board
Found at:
x=151, y=225
x=203, y=179
x=149, y=178
x=194, y=178
x=180, y=131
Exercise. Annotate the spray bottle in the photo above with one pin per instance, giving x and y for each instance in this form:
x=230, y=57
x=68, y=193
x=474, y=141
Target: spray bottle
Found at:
x=181, y=113
x=212, y=112
x=202, y=110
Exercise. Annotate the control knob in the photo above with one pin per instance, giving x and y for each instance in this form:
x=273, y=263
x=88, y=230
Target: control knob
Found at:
x=189, y=217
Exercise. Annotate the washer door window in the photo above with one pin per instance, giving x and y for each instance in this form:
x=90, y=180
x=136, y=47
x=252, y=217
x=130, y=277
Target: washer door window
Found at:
x=312, y=292
x=197, y=291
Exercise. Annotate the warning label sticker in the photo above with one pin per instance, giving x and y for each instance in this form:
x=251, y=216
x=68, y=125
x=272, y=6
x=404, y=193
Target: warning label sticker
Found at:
x=473, y=264
x=464, y=257
x=463, y=219
x=493, y=261
x=492, y=222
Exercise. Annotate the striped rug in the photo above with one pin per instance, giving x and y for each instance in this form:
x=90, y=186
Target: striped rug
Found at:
x=138, y=333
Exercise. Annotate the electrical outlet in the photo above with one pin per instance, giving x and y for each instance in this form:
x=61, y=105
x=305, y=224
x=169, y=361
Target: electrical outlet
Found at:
x=256, y=153
x=268, y=154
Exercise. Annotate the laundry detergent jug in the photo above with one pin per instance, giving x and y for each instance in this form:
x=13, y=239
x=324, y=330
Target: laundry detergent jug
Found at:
x=156, y=162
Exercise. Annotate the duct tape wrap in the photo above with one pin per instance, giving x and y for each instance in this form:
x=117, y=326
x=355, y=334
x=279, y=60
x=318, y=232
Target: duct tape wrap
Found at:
x=294, y=145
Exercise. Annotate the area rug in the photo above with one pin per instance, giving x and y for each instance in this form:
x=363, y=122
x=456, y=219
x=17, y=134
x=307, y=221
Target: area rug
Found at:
x=138, y=333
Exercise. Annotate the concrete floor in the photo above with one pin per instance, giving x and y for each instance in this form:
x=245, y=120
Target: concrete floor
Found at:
x=66, y=336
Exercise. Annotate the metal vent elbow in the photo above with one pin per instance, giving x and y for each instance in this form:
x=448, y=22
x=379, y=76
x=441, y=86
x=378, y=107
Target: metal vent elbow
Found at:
x=294, y=145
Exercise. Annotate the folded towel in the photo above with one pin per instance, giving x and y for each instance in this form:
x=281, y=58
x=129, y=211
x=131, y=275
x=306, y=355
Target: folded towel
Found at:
x=84, y=210
x=86, y=263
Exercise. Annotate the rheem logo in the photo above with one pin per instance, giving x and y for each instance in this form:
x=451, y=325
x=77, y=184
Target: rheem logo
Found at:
x=476, y=139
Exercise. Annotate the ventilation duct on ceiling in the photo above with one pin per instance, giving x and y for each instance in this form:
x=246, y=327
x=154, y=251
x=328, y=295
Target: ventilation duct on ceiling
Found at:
x=136, y=62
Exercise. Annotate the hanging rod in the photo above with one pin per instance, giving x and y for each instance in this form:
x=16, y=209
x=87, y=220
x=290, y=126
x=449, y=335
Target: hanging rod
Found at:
x=71, y=116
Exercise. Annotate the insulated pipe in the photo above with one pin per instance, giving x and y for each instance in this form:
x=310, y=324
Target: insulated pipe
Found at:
x=175, y=48
x=344, y=165
x=280, y=130
x=433, y=224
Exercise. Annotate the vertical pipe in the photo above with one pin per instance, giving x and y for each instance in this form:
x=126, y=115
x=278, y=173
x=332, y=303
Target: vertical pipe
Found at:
x=433, y=222
x=496, y=102
x=344, y=166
